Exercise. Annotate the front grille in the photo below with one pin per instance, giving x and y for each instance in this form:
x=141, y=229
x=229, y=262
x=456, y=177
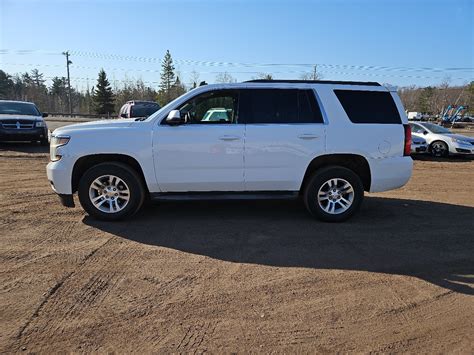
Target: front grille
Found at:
x=18, y=124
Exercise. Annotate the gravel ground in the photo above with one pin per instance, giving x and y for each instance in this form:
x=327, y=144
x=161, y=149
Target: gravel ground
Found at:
x=249, y=276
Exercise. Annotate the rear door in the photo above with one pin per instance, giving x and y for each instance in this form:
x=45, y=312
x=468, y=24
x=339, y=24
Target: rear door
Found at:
x=284, y=131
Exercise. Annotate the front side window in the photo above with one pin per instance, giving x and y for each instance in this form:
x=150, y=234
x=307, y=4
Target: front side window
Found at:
x=280, y=106
x=211, y=108
x=436, y=129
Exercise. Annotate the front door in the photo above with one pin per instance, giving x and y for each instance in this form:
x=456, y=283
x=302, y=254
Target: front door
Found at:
x=206, y=153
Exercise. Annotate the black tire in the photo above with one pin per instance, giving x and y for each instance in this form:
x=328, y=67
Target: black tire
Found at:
x=124, y=172
x=319, y=179
x=439, y=149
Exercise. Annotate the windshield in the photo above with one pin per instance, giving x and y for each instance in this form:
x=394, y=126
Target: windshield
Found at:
x=18, y=108
x=436, y=129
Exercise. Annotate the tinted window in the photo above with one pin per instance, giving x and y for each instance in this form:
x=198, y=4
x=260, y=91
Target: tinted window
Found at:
x=18, y=108
x=309, y=111
x=278, y=106
x=368, y=106
x=144, y=110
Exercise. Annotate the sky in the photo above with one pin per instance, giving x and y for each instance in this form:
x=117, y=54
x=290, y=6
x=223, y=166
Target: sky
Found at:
x=403, y=42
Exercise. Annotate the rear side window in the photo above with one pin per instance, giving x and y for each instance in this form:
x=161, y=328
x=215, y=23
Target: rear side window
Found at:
x=280, y=106
x=368, y=106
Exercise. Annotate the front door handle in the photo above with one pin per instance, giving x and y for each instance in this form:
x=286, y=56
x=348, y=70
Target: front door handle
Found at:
x=308, y=136
x=229, y=138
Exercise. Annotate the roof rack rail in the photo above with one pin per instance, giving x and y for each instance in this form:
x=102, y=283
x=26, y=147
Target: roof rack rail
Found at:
x=366, y=83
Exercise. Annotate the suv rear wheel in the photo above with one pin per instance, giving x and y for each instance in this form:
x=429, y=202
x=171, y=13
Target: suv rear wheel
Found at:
x=111, y=191
x=333, y=194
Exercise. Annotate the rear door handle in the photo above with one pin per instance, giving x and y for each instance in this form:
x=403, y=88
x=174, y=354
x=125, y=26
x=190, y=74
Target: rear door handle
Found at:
x=229, y=138
x=308, y=136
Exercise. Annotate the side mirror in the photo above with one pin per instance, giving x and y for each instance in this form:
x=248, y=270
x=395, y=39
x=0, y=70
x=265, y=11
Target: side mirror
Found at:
x=123, y=115
x=425, y=132
x=174, y=118
x=44, y=114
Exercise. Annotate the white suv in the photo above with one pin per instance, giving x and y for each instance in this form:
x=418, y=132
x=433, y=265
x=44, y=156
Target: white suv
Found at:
x=324, y=141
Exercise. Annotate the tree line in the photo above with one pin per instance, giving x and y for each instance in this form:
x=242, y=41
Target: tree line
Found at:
x=433, y=100
x=103, y=99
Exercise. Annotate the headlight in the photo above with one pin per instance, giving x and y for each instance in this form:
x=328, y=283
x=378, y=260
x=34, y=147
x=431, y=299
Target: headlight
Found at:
x=40, y=124
x=57, y=141
x=460, y=141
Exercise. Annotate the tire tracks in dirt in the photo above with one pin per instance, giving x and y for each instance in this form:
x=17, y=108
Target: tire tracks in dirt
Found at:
x=54, y=290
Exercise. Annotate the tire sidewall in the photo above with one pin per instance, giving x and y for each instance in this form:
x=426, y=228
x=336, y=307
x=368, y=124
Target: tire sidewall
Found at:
x=444, y=154
x=321, y=177
x=123, y=172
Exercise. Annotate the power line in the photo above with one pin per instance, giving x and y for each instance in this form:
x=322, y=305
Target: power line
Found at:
x=214, y=72
x=186, y=62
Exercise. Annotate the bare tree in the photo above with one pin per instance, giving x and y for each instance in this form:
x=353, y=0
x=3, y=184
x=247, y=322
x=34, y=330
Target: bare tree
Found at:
x=194, y=79
x=224, y=77
x=263, y=76
x=312, y=75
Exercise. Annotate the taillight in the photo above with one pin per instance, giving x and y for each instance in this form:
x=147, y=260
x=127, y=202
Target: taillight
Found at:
x=407, y=149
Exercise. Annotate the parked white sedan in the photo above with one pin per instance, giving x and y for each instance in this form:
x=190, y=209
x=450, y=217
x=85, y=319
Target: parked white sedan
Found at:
x=441, y=141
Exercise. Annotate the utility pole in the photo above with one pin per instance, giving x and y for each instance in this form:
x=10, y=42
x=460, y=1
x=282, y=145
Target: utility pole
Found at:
x=68, y=81
x=315, y=72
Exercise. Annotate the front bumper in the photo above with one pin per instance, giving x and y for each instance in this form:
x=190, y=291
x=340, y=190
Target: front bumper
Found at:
x=59, y=176
x=458, y=148
x=19, y=135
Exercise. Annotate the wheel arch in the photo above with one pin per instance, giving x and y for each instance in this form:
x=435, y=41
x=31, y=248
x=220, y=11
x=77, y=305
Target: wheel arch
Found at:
x=88, y=161
x=438, y=140
x=357, y=163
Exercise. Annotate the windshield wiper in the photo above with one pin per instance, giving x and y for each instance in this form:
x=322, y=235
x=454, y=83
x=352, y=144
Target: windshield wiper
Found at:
x=141, y=118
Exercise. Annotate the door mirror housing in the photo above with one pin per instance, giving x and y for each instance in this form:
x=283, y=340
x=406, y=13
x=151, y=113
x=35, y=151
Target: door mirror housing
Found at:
x=44, y=114
x=425, y=132
x=174, y=118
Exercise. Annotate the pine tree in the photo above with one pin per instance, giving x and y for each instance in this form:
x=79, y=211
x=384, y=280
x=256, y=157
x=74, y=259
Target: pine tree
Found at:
x=102, y=95
x=178, y=89
x=6, y=85
x=167, y=79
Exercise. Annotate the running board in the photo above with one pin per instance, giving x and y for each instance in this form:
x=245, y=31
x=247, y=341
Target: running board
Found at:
x=251, y=195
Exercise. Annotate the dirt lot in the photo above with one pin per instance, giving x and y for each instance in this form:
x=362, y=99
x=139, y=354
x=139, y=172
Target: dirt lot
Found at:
x=238, y=276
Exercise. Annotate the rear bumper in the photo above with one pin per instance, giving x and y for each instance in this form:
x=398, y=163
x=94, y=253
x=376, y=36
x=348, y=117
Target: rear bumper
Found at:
x=18, y=135
x=419, y=148
x=390, y=173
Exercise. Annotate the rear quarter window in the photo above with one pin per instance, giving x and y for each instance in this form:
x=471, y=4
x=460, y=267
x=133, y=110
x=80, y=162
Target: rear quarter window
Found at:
x=369, y=106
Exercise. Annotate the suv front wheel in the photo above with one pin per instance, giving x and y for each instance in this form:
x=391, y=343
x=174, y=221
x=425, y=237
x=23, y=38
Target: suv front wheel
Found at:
x=333, y=194
x=111, y=191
